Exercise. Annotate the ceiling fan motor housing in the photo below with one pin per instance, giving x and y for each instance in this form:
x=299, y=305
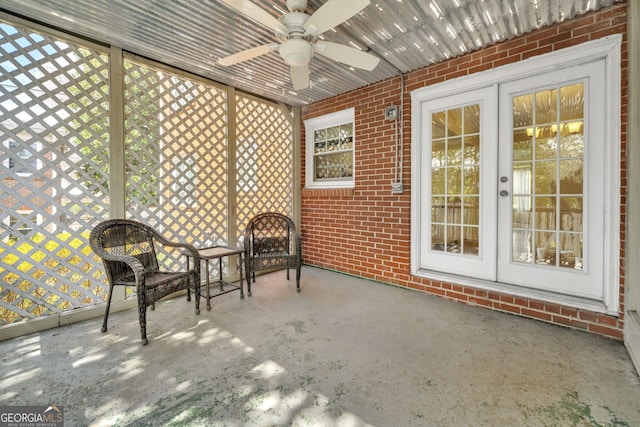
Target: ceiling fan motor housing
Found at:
x=296, y=5
x=294, y=22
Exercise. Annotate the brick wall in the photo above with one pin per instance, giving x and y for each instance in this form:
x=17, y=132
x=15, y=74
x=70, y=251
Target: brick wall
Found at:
x=365, y=231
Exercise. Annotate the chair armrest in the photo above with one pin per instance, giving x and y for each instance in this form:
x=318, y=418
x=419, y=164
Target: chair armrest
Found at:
x=132, y=262
x=193, y=252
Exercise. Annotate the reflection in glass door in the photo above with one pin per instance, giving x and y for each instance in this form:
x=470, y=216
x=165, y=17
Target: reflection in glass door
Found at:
x=458, y=226
x=547, y=177
x=455, y=180
x=516, y=179
x=551, y=186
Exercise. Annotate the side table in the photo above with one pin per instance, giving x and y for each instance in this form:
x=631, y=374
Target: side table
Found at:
x=220, y=287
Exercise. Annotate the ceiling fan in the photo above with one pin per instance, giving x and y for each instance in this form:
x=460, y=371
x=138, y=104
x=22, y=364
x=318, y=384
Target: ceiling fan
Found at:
x=298, y=33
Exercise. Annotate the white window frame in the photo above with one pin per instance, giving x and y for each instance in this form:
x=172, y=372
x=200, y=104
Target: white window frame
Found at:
x=323, y=122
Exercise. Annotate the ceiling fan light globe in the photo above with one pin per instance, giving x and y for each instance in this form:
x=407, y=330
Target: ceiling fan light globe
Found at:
x=296, y=52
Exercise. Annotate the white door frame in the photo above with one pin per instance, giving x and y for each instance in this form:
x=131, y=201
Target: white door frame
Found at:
x=607, y=48
x=588, y=281
x=484, y=263
x=632, y=264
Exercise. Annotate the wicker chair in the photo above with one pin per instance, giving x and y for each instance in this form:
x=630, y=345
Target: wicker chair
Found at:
x=128, y=252
x=271, y=241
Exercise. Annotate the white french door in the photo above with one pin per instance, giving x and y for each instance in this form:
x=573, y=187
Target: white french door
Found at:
x=461, y=155
x=512, y=182
x=551, y=192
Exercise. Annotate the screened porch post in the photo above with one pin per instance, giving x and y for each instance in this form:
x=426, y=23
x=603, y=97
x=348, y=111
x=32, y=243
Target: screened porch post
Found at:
x=116, y=136
x=296, y=180
x=232, y=163
x=116, y=147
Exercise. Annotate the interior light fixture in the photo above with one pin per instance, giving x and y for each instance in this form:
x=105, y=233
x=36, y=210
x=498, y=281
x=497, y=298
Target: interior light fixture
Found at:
x=568, y=128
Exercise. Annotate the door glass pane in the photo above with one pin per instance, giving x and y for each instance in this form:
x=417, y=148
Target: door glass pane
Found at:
x=545, y=177
x=547, y=163
x=472, y=150
x=438, y=182
x=546, y=107
x=438, y=153
x=571, y=176
x=471, y=176
x=454, y=122
x=453, y=239
x=454, y=179
x=471, y=240
x=472, y=210
x=546, y=143
x=472, y=119
x=455, y=173
x=523, y=144
x=454, y=151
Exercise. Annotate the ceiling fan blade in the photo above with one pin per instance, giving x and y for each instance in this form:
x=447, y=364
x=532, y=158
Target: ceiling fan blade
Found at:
x=247, y=54
x=300, y=77
x=332, y=14
x=347, y=55
x=256, y=13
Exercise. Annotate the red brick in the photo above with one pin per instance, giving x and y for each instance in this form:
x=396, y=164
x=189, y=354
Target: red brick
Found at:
x=537, y=314
x=366, y=231
x=574, y=323
x=610, y=332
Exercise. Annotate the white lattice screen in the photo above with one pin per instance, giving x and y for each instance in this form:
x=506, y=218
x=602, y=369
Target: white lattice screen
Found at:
x=54, y=176
x=264, y=154
x=176, y=155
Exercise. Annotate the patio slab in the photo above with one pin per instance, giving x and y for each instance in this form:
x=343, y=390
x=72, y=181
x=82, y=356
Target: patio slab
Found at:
x=342, y=352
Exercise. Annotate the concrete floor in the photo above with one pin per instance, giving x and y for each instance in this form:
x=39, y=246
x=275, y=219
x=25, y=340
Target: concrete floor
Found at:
x=343, y=352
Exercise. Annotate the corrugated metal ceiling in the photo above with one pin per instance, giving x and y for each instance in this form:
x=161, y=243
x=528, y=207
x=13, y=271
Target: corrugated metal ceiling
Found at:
x=194, y=34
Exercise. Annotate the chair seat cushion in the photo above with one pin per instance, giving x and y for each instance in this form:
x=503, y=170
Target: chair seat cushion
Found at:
x=161, y=283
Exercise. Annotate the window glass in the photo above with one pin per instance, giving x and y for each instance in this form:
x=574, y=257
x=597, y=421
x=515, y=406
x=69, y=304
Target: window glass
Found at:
x=330, y=150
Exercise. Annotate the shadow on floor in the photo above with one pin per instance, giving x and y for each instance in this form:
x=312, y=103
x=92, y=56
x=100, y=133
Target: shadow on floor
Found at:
x=343, y=352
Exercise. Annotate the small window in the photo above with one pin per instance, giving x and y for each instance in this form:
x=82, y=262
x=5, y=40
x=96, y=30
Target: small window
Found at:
x=330, y=150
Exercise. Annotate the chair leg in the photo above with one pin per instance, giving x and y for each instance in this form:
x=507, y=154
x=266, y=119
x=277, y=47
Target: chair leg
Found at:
x=196, y=290
x=248, y=276
x=142, y=317
x=106, y=310
x=297, y=278
x=287, y=274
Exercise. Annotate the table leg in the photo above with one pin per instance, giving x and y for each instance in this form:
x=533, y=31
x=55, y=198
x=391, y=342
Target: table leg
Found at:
x=188, y=289
x=241, y=281
x=220, y=269
x=206, y=262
